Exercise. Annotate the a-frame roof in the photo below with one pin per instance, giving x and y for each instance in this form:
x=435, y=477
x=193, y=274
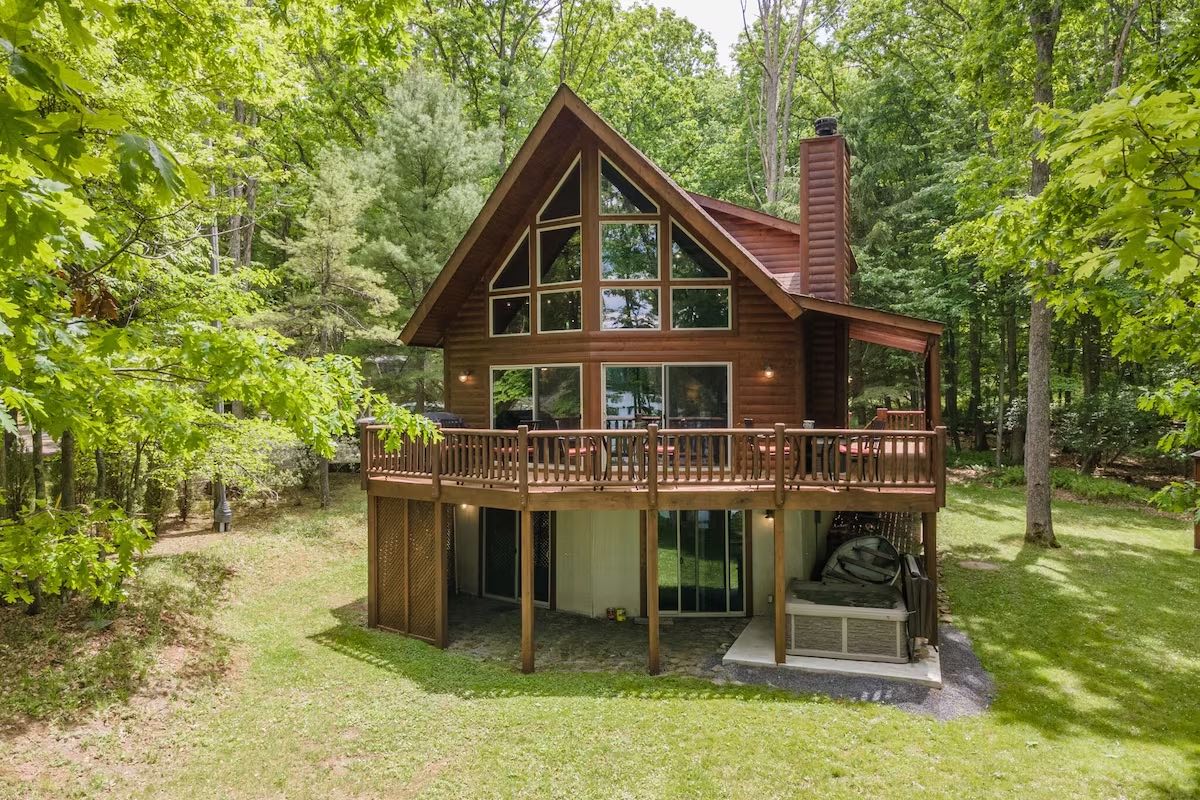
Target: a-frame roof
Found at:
x=561, y=123
x=565, y=119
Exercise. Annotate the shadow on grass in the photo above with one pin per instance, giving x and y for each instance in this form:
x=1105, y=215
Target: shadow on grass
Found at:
x=441, y=672
x=75, y=657
x=1098, y=637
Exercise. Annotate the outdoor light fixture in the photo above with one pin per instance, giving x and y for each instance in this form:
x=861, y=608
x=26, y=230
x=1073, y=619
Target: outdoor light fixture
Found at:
x=464, y=376
x=768, y=370
x=769, y=514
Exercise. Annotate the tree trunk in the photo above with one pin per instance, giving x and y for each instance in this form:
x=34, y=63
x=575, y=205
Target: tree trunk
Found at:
x=5, y=512
x=39, y=466
x=951, y=377
x=1039, y=524
x=975, y=359
x=1016, y=441
x=66, y=470
x=1000, y=401
x=323, y=477
x=101, y=476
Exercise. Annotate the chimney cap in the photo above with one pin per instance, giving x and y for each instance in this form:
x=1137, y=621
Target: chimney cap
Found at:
x=826, y=126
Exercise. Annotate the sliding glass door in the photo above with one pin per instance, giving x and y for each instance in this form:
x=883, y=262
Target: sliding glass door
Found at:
x=502, y=555
x=701, y=562
x=671, y=395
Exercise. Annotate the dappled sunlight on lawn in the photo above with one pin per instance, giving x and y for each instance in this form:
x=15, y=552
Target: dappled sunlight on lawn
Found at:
x=1091, y=637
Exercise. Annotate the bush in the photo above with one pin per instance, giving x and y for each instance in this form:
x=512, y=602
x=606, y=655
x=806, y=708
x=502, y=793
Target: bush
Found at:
x=1102, y=428
x=50, y=552
x=1085, y=487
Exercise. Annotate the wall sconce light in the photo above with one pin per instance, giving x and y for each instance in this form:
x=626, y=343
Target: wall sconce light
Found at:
x=769, y=514
x=464, y=376
x=768, y=371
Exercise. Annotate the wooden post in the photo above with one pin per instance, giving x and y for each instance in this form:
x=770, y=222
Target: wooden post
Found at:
x=652, y=464
x=372, y=562
x=364, y=456
x=780, y=587
x=435, y=466
x=933, y=384
x=779, y=468
x=652, y=664
x=929, y=541
x=526, y=590
x=1196, y=478
x=523, y=465
x=440, y=585
x=939, y=465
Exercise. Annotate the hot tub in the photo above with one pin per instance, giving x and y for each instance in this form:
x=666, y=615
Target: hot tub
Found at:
x=867, y=623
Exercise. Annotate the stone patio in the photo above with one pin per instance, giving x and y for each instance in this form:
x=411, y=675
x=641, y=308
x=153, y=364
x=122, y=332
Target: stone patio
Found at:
x=490, y=630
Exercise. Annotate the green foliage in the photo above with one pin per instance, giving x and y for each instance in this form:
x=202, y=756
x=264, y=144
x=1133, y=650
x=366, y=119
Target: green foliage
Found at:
x=1105, y=426
x=1084, y=487
x=91, y=553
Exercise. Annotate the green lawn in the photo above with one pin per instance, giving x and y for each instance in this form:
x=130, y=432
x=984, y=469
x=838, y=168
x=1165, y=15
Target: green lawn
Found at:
x=272, y=688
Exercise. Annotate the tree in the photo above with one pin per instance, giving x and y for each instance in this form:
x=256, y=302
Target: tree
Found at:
x=427, y=163
x=332, y=299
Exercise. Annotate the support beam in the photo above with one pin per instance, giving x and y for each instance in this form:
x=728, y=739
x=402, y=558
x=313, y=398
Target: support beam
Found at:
x=929, y=543
x=652, y=664
x=372, y=561
x=440, y=583
x=526, y=591
x=780, y=587
x=933, y=385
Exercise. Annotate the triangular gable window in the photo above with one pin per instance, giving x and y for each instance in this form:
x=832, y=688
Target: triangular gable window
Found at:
x=689, y=260
x=619, y=195
x=564, y=202
x=515, y=273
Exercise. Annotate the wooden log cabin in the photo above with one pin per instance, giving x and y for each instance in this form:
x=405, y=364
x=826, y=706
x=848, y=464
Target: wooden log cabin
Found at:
x=655, y=384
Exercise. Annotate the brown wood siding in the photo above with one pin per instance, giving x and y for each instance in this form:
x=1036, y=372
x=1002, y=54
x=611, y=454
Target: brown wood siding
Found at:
x=777, y=250
x=824, y=217
x=826, y=370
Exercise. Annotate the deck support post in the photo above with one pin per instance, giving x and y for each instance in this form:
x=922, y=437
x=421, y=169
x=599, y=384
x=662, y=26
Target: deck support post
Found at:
x=652, y=662
x=372, y=561
x=1196, y=478
x=780, y=586
x=441, y=591
x=929, y=544
x=526, y=590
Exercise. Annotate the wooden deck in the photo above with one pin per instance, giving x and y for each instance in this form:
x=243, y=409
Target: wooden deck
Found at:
x=643, y=469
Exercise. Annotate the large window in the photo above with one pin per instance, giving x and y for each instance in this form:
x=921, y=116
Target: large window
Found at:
x=700, y=308
x=629, y=251
x=560, y=255
x=546, y=397
x=620, y=195
x=559, y=310
x=630, y=309
x=563, y=202
x=510, y=315
x=692, y=395
x=689, y=260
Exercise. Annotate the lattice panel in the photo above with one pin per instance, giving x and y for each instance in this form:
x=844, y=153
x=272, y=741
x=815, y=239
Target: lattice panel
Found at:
x=392, y=550
x=422, y=570
x=541, y=540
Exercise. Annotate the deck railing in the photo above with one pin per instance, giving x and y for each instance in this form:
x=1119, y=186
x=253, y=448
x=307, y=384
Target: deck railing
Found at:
x=894, y=420
x=651, y=459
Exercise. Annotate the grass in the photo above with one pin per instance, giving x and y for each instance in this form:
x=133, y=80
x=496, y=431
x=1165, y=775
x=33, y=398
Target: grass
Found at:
x=1092, y=646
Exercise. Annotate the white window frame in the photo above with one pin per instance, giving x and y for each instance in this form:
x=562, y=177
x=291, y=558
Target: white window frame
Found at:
x=687, y=287
x=657, y=255
x=641, y=287
x=537, y=256
x=600, y=191
x=577, y=290
x=671, y=255
x=491, y=306
x=504, y=263
x=578, y=365
x=557, y=186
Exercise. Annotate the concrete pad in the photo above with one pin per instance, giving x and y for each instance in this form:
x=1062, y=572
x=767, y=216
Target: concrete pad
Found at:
x=756, y=648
